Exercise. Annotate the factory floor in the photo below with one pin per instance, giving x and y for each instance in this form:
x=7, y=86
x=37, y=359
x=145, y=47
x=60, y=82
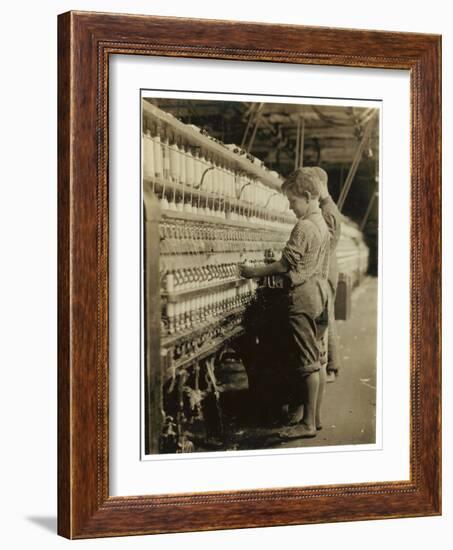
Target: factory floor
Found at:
x=350, y=402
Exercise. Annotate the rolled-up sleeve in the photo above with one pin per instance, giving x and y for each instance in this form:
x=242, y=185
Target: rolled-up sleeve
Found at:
x=296, y=247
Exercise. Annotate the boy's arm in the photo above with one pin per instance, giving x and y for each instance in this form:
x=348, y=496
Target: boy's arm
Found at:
x=275, y=268
x=331, y=216
x=290, y=256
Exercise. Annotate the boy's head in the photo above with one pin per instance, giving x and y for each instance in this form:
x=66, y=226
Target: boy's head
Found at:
x=322, y=181
x=301, y=188
x=322, y=178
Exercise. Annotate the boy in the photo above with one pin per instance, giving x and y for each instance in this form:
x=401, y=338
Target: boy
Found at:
x=304, y=265
x=332, y=217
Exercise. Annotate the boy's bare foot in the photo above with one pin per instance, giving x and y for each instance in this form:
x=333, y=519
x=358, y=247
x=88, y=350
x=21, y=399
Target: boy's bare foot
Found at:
x=300, y=431
x=295, y=414
x=318, y=424
x=330, y=377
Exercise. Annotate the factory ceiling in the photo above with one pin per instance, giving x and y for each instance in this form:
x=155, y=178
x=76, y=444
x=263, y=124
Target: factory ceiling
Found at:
x=276, y=133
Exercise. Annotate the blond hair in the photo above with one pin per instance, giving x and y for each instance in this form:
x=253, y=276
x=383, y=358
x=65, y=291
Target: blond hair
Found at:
x=305, y=182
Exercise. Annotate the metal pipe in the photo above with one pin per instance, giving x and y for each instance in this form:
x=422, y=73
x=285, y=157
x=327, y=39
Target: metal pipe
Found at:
x=301, y=142
x=296, y=160
x=269, y=199
x=242, y=189
x=249, y=123
x=354, y=166
x=368, y=210
x=257, y=123
x=373, y=196
x=202, y=177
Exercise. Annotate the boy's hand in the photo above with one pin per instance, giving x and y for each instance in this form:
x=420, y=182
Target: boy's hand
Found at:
x=246, y=271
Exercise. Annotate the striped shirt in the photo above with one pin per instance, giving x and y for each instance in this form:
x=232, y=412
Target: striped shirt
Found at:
x=307, y=251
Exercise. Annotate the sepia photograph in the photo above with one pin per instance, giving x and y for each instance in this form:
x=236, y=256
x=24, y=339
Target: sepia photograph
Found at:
x=249, y=274
x=260, y=272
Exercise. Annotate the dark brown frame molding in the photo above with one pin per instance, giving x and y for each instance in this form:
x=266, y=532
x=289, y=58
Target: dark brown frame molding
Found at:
x=85, y=42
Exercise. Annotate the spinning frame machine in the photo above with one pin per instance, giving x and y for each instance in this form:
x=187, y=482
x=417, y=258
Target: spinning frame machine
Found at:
x=207, y=208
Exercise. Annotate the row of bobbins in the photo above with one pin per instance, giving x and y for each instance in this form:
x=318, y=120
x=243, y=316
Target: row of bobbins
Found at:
x=190, y=312
x=199, y=238
x=227, y=193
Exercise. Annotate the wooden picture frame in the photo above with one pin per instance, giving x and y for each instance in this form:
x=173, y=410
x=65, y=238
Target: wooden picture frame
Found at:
x=85, y=41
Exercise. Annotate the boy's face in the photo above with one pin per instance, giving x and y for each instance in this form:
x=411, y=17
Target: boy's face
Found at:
x=299, y=205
